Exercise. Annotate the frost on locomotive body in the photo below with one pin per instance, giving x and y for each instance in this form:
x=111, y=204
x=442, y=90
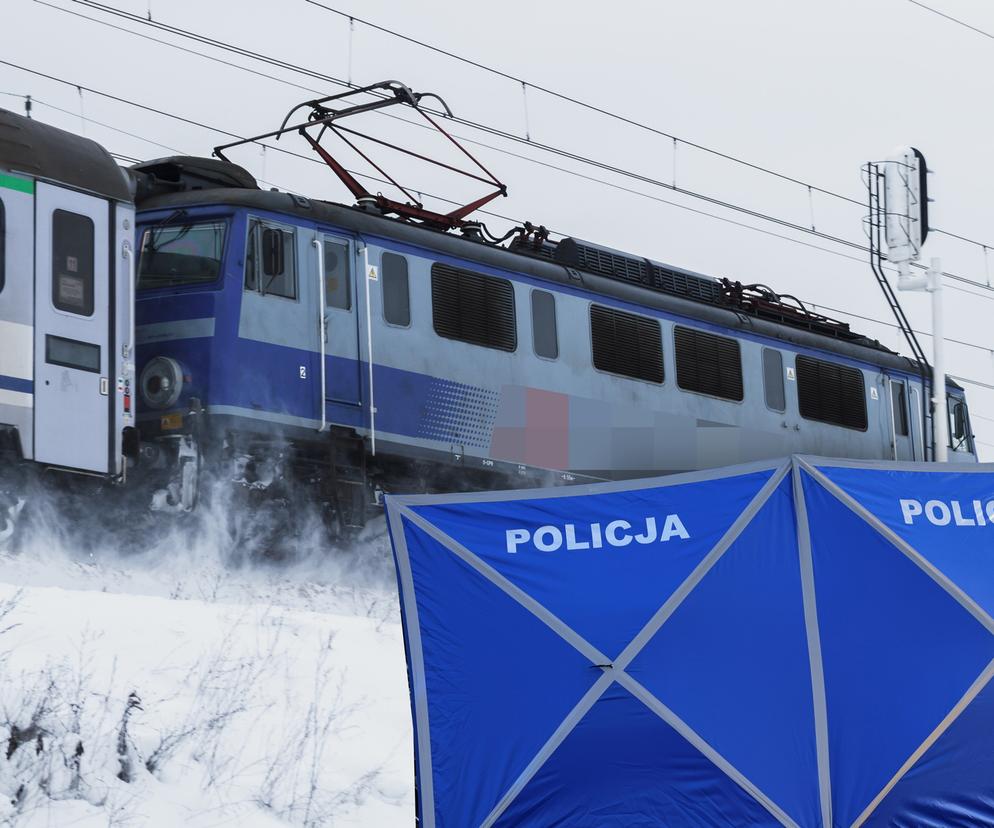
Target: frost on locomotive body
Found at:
x=380, y=353
x=66, y=299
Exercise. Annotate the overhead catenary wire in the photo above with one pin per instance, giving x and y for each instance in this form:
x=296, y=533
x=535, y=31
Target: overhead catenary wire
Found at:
x=311, y=159
x=949, y=17
x=510, y=136
x=626, y=119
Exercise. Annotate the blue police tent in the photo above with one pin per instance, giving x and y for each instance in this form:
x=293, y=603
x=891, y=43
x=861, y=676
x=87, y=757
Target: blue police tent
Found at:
x=802, y=643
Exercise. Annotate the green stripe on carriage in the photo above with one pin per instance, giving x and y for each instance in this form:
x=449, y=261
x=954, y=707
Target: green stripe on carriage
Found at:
x=23, y=185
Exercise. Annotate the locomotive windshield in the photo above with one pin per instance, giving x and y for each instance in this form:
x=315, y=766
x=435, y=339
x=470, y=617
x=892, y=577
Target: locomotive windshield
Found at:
x=181, y=254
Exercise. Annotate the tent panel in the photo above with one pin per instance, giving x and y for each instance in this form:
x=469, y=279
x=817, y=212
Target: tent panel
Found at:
x=732, y=662
x=947, y=517
x=953, y=783
x=499, y=681
x=898, y=651
x=624, y=767
x=583, y=549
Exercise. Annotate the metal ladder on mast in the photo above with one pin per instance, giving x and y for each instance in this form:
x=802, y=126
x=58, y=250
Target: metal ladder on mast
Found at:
x=875, y=230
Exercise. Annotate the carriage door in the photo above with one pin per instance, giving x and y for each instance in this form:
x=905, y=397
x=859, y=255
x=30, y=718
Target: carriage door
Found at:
x=342, y=380
x=901, y=412
x=72, y=330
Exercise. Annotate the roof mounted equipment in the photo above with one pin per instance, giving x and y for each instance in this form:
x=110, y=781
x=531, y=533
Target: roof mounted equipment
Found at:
x=387, y=93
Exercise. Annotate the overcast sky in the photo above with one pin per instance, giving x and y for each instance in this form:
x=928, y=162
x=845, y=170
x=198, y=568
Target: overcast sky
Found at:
x=810, y=89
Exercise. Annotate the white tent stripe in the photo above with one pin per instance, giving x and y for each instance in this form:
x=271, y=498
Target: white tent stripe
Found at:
x=558, y=626
x=419, y=689
x=902, y=545
x=974, y=690
x=566, y=726
x=697, y=575
x=818, y=700
x=688, y=733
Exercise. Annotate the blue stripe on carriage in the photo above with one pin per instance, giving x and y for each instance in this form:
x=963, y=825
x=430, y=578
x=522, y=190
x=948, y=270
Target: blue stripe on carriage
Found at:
x=16, y=384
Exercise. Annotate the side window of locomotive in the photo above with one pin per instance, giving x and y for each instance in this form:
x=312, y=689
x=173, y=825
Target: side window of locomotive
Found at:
x=271, y=260
x=396, y=290
x=773, y=380
x=174, y=255
x=626, y=344
x=831, y=393
x=472, y=307
x=72, y=262
x=959, y=424
x=900, y=404
x=708, y=364
x=337, y=276
x=545, y=336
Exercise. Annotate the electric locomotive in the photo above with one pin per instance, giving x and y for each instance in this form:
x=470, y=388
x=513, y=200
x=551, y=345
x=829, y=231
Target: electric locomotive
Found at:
x=383, y=347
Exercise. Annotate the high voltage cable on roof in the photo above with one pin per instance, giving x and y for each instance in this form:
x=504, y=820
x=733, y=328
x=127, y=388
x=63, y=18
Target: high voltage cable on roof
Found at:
x=510, y=136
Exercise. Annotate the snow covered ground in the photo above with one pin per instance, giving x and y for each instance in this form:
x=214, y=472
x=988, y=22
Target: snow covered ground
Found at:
x=168, y=687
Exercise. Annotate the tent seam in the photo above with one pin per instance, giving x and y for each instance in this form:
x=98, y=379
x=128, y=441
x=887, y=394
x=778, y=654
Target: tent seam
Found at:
x=902, y=546
x=965, y=701
x=812, y=630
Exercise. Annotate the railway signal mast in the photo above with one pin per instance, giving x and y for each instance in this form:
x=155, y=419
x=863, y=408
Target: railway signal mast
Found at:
x=905, y=230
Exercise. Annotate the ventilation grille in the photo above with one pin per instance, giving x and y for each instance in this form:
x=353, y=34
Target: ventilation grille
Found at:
x=473, y=308
x=626, y=344
x=708, y=364
x=831, y=393
x=669, y=280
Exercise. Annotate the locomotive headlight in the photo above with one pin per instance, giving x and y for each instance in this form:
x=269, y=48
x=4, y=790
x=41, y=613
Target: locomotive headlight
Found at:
x=161, y=382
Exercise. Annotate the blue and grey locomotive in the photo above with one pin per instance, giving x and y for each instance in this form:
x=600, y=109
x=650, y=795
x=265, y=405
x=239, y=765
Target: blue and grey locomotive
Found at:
x=297, y=338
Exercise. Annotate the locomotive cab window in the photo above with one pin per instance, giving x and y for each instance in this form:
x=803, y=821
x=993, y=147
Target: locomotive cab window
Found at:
x=545, y=337
x=72, y=262
x=176, y=255
x=270, y=260
x=337, y=276
x=708, y=364
x=396, y=291
x=626, y=344
x=959, y=424
x=831, y=393
x=472, y=307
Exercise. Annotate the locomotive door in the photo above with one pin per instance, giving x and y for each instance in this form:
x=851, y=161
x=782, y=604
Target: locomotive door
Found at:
x=904, y=448
x=72, y=330
x=340, y=319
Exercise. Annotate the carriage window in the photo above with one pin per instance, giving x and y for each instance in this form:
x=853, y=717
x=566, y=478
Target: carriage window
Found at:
x=545, y=337
x=72, y=262
x=3, y=245
x=271, y=261
x=900, y=408
x=626, y=344
x=773, y=379
x=396, y=292
x=473, y=308
x=708, y=364
x=831, y=393
x=337, y=276
x=181, y=254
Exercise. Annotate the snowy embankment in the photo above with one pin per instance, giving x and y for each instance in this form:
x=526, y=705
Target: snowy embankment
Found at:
x=172, y=690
